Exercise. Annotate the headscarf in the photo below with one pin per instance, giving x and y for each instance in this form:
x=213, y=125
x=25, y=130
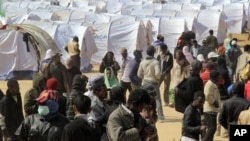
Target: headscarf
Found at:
x=113, y=81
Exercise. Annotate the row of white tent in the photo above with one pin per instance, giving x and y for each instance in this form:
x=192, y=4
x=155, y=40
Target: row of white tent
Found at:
x=99, y=33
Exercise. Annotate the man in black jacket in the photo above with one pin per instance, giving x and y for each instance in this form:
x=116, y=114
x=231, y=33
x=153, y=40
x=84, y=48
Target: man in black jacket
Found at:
x=194, y=83
x=165, y=59
x=46, y=125
x=232, y=107
x=191, y=125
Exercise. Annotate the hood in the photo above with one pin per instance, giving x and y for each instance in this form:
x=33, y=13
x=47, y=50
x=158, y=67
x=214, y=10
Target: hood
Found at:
x=37, y=78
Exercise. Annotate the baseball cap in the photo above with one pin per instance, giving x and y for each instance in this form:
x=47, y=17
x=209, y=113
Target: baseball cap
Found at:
x=57, y=55
x=200, y=58
x=212, y=55
x=47, y=95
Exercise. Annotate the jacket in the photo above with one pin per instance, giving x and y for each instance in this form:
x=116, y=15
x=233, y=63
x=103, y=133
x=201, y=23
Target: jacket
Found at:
x=12, y=112
x=30, y=106
x=149, y=70
x=77, y=130
x=231, y=110
x=120, y=126
x=191, y=122
x=36, y=128
x=244, y=117
x=212, y=94
x=185, y=96
x=133, y=74
x=166, y=62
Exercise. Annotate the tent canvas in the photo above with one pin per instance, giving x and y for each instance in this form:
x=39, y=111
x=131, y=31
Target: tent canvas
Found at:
x=204, y=24
x=17, y=61
x=112, y=37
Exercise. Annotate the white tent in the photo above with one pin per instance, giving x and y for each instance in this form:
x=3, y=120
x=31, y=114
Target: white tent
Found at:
x=235, y=17
x=204, y=24
x=63, y=34
x=21, y=60
x=171, y=29
x=112, y=37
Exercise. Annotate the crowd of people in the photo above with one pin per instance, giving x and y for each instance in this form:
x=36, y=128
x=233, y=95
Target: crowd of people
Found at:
x=204, y=82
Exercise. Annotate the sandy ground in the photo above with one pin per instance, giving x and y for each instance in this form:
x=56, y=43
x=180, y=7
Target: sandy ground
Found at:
x=169, y=130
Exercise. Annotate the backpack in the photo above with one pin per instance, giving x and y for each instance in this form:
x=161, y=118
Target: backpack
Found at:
x=245, y=72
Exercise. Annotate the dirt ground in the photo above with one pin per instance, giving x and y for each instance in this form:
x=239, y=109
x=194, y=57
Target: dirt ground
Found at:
x=169, y=130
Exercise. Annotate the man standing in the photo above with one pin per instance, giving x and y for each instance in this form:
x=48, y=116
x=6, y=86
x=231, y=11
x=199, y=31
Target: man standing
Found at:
x=125, y=70
x=135, y=80
x=149, y=72
x=212, y=104
x=39, y=84
x=194, y=49
x=80, y=128
x=73, y=49
x=57, y=70
x=166, y=64
x=191, y=125
x=11, y=112
x=124, y=122
x=242, y=61
x=212, y=41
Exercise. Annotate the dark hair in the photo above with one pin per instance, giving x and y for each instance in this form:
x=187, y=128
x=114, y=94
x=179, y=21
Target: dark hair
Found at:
x=211, y=32
x=82, y=103
x=11, y=83
x=214, y=74
x=98, y=86
x=105, y=58
x=117, y=94
x=198, y=94
x=210, y=65
x=163, y=47
x=139, y=96
x=161, y=38
x=247, y=47
x=151, y=50
x=75, y=38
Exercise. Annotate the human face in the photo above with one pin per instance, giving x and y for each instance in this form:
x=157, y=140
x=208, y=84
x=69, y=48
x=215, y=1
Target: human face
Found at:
x=199, y=102
x=109, y=56
x=42, y=84
x=124, y=54
x=178, y=55
x=15, y=89
x=108, y=74
x=102, y=93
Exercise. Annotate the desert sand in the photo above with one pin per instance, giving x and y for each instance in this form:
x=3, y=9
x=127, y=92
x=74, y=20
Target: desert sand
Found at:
x=169, y=130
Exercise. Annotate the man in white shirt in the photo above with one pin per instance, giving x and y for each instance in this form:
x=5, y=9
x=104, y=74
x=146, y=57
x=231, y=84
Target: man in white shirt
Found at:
x=126, y=68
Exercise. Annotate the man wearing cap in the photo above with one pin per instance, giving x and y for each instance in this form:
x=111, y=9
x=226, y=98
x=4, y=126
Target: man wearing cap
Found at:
x=232, y=56
x=212, y=41
x=150, y=73
x=73, y=49
x=212, y=56
x=135, y=80
x=57, y=70
x=126, y=68
x=47, y=124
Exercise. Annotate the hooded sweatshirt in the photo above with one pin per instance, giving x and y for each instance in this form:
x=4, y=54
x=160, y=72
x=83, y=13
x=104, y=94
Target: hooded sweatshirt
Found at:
x=30, y=106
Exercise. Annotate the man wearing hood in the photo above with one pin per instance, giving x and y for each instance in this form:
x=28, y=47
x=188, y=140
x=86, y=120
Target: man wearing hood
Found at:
x=78, y=88
x=232, y=107
x=47, y=124
x=39, y=84
x=11, y=113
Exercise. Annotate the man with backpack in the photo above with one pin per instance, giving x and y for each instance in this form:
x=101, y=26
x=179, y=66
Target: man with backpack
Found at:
x=242, y=63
